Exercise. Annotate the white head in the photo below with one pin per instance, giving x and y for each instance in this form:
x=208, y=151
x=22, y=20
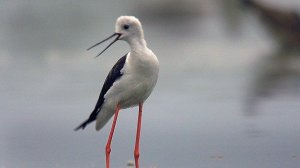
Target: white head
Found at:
x=129, y=29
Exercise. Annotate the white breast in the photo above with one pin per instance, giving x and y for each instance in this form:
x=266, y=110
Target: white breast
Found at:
x=139, y=77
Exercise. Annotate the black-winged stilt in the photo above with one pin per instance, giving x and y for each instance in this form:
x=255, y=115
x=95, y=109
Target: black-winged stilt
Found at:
x=128, y=84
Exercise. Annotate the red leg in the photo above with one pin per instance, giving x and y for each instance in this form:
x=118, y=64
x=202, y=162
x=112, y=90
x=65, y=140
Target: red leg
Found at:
x=108, y=149
x=137, y=140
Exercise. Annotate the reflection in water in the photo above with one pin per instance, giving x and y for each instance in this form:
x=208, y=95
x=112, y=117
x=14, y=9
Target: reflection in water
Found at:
x=232, y=14
x=284, y=25
x=280, y=72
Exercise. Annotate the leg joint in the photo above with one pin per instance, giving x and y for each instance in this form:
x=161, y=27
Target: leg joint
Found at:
x=136, y=154
x=107, y=149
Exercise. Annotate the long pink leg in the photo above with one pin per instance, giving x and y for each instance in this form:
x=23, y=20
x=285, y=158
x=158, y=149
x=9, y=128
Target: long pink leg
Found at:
x=138, y=134
x=108, y=149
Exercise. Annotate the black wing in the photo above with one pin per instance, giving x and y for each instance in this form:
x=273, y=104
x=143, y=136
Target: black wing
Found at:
x=114, y=74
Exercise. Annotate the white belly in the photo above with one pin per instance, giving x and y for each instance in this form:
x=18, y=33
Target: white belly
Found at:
x=127, y=92
x=130, y=90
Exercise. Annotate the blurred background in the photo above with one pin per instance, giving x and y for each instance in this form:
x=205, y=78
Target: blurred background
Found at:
x=227, y=95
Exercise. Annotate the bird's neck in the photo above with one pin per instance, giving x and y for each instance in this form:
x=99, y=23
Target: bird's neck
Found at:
x=137, y=45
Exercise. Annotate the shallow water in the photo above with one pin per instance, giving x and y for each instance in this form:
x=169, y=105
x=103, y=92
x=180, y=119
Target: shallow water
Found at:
x=195, y=117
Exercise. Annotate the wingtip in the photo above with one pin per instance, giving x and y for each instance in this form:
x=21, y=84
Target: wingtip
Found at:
x=81, y=126
x=77, y=128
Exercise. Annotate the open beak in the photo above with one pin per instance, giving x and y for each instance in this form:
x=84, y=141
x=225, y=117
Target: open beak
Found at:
x=113, y=35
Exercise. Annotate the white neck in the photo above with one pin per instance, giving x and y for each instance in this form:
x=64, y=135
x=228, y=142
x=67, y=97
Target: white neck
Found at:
x=137, y=44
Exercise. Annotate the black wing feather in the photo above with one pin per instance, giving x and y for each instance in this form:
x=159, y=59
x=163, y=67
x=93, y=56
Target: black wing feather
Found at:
x=114, y=74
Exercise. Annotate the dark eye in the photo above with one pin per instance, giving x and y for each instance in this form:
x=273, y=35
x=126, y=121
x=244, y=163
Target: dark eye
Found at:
x=126, y=27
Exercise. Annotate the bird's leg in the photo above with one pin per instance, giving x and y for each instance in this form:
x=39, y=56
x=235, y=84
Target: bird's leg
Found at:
x=137, y=140
x=108, y=149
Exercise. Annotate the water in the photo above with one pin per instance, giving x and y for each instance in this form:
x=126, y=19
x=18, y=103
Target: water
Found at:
x=194, y=118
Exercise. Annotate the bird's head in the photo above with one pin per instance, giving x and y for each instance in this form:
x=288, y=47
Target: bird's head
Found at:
x=128, y=28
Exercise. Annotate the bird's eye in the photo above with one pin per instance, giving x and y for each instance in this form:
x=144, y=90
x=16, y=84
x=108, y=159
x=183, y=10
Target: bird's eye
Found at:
x=126, y=27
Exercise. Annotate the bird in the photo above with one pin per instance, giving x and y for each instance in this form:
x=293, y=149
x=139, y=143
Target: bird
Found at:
x=129, y=83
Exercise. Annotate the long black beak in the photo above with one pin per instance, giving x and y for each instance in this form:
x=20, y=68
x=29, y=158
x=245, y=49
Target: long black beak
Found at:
x=116, y=39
